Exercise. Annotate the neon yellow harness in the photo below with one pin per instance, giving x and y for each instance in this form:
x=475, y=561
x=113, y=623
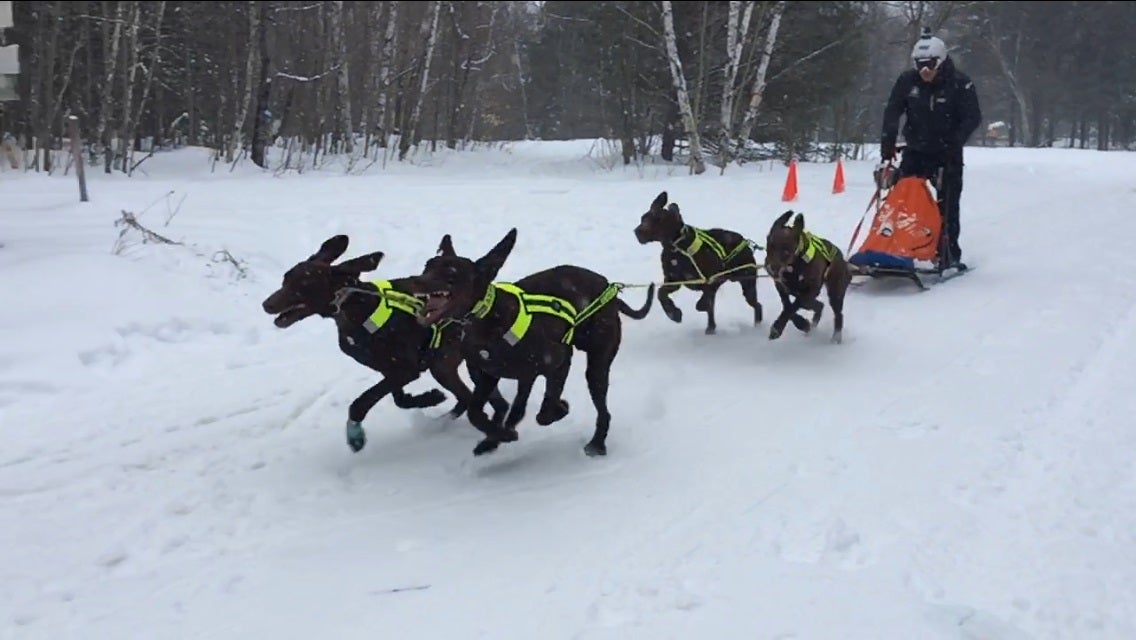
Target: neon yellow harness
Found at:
x=701, y=239
x=533, y=303
x=391, y=301
x=810, y=245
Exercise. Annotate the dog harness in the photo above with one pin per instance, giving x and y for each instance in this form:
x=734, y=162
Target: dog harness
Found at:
x=529, y=304
x=391, y=301
x=810, y=245
x=700, y=239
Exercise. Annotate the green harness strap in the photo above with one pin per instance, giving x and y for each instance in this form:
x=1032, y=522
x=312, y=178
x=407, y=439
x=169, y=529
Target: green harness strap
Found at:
x=531, y=303
x=810, y=245
x=702, y=238
x=389, y=301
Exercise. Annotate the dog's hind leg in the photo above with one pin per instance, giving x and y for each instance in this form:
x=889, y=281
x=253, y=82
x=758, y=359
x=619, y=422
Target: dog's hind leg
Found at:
x=598, y=374
x=837, y=286
x=749, y=291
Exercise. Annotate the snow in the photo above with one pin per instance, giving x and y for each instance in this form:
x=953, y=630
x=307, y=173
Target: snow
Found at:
x=173, y=465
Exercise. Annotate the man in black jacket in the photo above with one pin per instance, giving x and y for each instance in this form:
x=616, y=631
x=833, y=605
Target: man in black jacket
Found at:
x=942, y=111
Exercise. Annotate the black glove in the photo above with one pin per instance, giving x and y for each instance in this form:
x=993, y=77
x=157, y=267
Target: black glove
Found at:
x=887, y=151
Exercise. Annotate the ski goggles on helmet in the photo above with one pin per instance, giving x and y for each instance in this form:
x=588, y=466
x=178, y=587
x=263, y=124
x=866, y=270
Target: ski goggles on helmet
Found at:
x=927, y=63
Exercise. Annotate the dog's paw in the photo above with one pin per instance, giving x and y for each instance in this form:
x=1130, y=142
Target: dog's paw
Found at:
x=674, y=313
x=593, y=449
x=432, y=398
x=711, y=331
x=800, y=323
x=774, y=332
x=487, y=445
x=554, y=413
x=837, y=337
x=757, y=315
x=356, y=437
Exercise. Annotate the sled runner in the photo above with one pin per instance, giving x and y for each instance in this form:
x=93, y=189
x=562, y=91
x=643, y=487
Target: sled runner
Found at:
x=906, y=230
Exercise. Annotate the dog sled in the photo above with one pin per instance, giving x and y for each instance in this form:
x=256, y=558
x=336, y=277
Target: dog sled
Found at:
x=907, y=237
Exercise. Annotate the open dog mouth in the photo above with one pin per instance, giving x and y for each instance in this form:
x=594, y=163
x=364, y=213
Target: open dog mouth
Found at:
x=435, y=306
x=292, y=315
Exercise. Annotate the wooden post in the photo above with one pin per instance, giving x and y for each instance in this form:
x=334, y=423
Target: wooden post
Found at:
x=77, y=156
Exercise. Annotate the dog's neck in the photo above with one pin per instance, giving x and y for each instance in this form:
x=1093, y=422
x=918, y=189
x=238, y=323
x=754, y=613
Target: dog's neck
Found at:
x=355, y=302
x=684, y=239
x=810, y=246
x=492, y=310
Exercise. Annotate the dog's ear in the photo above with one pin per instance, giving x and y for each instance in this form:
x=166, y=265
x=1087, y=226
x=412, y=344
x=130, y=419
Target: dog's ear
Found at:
x=331, y=249
x=362, y=264
x=491, y=263
x=660, y=200
x=673, y=208
x=446, y=246
x=799, y=223
x=783, y=219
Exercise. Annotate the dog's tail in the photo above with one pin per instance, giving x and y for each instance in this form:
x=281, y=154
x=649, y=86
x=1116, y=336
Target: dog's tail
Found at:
x=638, y=314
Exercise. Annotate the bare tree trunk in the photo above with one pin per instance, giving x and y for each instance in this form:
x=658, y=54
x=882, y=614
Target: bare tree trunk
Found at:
x=387, y=57
x=134, y=25
x=735, y=42
x=430, y=31
x=758, y=90
x=338, y=32
x=697, y=164
x=524, y=91
x=252, y=54
x=112, y=39
x=262, y=119
x=131, y=128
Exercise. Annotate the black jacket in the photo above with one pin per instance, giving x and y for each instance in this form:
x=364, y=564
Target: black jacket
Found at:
x=940, y=117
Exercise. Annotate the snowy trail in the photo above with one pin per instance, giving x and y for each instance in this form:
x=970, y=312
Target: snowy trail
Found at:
x=958, y=468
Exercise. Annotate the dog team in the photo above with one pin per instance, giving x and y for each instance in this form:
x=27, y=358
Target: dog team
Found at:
x=456, y=312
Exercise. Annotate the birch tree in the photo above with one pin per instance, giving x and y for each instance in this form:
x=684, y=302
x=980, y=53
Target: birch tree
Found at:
x=386, y=61
x=697, y=164
x=429, y=31
x=337, y=32
x=112, y=39
x=757, y=91
x=130, y=126
x=735, y=41
x=248, y=82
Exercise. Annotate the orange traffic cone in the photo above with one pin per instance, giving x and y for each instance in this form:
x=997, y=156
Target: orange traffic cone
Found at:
x=790, y=192
x=838, y=181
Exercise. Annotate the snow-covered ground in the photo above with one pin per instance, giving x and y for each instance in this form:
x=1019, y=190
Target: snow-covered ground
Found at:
x=174, y=466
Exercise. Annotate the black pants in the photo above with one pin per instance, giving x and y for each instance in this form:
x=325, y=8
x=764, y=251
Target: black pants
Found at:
x=916, y=163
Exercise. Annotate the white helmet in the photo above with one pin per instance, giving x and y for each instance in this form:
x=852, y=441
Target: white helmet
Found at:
x=929, y=47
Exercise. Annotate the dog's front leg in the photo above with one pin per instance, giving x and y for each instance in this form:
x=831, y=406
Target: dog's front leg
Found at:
x=668, y=305
x=446, y=371
x=810, y=299
x=495, y=432
x=554, y=407
x=357, y=412
x=496, y=400
x=705, y=304
x=789, y=309
x=520, y=403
